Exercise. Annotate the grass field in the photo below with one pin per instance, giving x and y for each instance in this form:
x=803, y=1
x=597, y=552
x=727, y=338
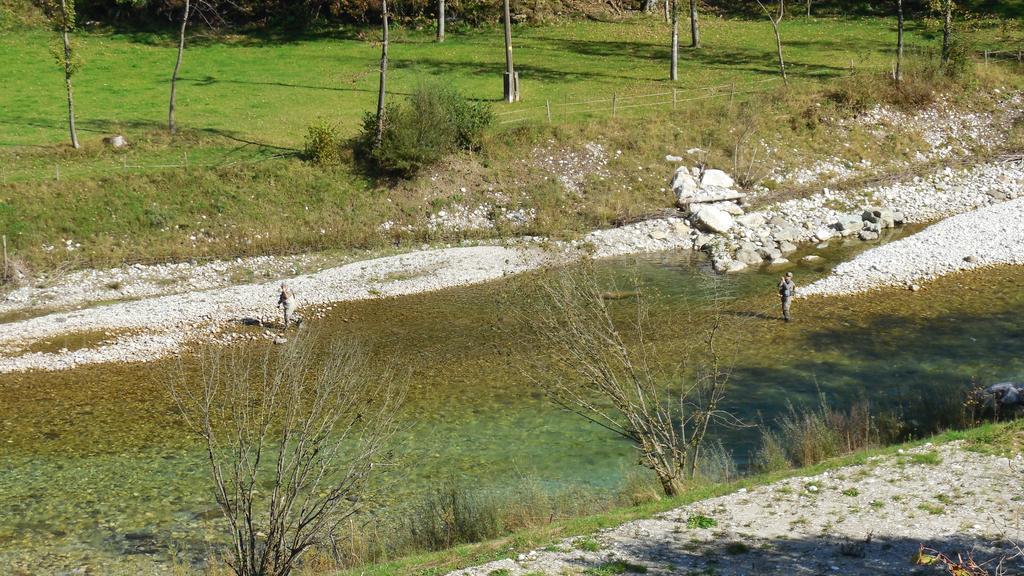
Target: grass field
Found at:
x=245, y=102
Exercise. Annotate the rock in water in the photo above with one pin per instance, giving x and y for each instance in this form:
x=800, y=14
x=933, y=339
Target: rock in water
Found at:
x=881, y=216
x=748, y=256
x=711, y=219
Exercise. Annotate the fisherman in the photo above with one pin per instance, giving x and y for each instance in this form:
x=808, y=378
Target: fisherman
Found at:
x=286, y=300
x=786, y=290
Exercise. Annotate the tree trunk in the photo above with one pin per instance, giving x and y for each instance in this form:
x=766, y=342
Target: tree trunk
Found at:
x=947, y=24
x=440, y=20
x=177, y=66
x=694, y=27
x=378, y=136
x=668, y=11
x=671, y=486
x=647, y=5
x=511, y=82
x=68, y=71
x=778, y=45
x=808, y=8
x=674, y=69
x=898, y=76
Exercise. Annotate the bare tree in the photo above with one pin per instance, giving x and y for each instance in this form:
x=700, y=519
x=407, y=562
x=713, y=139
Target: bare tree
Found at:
x=673, y=73
x=186, y=11
x=608, y=372
x=511, y=80
x=378, y=135
x=808, y=8
x=440, y=20
x=291, y=441
x=898, y=73
x=62, y=17
x=647, y=5
x=776, y=20
x=694, y=26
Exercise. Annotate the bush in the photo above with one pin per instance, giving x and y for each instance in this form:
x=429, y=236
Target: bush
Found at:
x=432, y=123
x=323, y=145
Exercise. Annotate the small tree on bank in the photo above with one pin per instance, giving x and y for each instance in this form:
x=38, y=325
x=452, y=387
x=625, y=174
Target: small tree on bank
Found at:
x=607, y=372
x=694, y=26
x=61, y=15
x=440, y=20
x=291, y=441
x=673, y=73
x=898, y=73
x=208, y=12
x=382, y=87
x=776, y=20
x=511, y=80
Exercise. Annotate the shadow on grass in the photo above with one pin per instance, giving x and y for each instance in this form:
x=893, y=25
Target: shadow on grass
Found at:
x=802, y=555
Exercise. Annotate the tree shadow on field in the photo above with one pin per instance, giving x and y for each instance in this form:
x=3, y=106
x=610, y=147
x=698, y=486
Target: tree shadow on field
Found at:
x=213, y=80
x=736, y=554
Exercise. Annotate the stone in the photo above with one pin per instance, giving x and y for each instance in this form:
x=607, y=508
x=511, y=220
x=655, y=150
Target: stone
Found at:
x=115, y=141
x=849, y=223
x=749, y=257
x=881, y=216
x=899, y=218
x=658, y=234
x=823, y=234
x=712, y=219
x=673, y=158
x=770, y=253
x=780, y=262
x=811, y=259
x=683, y=186
x=754, y=220
x=867, y=235
x=721, y=264
x=787, y=247
x=735, y=266
x=971, y=259
x=702, y=241
x=872, y=227
x=730, y=208
x=681, y=229
x=717, y=178
x=707, y=195
x=787, y=234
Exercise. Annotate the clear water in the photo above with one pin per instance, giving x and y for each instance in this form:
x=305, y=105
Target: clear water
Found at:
x=96, y=470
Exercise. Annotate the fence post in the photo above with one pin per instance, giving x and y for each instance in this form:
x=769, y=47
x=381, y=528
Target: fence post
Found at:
x=186, y=160
x=613, y=104
x=124, y=163
x=674, y=98
x=1019, y=54
x=5, y=258
x=986, y=58
x=547, y=104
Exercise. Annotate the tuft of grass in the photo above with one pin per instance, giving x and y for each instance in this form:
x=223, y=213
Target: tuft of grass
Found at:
x=587, y=544
x=933, y=509
x=930, y=458
x=851, y=492
x=735, y=548
x=701, y=521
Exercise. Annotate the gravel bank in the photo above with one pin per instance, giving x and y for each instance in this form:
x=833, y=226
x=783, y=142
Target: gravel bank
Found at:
x=985, y=237
x=862, y=520
x=150, y=328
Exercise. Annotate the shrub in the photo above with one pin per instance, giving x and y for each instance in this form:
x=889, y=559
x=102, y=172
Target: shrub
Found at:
x=433, y=122
x=323, y=145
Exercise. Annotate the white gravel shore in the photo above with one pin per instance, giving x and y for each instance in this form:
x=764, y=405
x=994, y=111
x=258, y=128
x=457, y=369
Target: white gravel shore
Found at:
x=985, y=237
x=150, y=328
x=863, y=520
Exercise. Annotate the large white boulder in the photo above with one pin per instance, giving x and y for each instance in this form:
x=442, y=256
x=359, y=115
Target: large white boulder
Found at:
x=711, y=219
x=716, y=178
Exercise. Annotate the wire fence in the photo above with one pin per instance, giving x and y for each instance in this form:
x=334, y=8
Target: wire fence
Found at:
x=549, y=112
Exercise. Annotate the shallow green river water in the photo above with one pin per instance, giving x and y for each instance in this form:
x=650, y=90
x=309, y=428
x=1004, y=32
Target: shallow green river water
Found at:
x=96, y=469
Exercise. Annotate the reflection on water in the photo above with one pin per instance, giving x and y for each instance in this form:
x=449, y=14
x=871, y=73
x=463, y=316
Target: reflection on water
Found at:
x=96, y=469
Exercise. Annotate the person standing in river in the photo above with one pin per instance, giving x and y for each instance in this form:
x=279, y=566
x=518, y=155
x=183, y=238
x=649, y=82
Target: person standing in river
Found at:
x=286, y=301
x=786, y=290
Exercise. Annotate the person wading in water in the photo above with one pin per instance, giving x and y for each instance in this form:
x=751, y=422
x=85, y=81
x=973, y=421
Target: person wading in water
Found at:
x=286, y=300
x=786, y=290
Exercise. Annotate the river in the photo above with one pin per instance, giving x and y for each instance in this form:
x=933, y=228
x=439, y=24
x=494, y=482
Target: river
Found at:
x=96, y=468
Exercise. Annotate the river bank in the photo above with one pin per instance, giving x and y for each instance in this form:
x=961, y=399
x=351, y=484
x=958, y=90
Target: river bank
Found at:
x=160, y=309
x=859, y=520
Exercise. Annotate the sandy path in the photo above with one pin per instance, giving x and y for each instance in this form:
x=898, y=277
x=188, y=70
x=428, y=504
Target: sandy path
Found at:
x=862, y=520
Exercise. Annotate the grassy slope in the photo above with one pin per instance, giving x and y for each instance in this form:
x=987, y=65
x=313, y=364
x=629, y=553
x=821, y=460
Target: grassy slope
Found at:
x=1002, y=439
x=248, y=100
